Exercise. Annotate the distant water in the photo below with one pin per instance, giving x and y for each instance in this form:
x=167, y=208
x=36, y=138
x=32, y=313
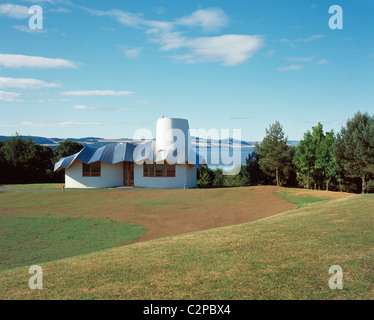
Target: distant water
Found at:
x=214, y=152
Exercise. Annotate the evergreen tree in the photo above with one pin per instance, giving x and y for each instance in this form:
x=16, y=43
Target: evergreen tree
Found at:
x=205, y=177
x=218, y=180
x=67, y=148
x=354, y=148
x=273, y=152
x=255, y=175
x=326, y=162
x=24, y=161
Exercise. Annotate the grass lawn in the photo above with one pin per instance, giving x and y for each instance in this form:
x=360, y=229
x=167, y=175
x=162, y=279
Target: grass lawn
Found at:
x=48, y=186
x=28, y=241
x=37, y=186
x=286, y=256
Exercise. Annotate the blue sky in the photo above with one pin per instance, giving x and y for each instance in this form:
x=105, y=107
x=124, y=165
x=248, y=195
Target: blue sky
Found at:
x=107, y=68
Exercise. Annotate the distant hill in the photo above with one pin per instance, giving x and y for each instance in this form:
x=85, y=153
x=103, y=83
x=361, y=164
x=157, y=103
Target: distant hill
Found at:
x=100, y=142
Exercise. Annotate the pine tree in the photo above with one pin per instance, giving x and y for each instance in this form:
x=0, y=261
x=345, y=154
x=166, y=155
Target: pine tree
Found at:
x=273, y=151
x=354, y=147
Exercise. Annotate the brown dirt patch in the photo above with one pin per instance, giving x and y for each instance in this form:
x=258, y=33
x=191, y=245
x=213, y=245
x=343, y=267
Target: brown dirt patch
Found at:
x=219, y=208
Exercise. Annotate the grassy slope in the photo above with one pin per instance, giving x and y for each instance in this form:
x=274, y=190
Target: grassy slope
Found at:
x=282, y=257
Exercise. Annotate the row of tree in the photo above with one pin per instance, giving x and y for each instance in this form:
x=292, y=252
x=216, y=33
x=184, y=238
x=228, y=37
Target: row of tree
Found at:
x=322, y=160
x=23, y=161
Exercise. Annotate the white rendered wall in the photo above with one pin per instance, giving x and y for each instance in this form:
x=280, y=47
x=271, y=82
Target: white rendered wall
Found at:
x=191, y=177
x=111, y=176
x=184, y=175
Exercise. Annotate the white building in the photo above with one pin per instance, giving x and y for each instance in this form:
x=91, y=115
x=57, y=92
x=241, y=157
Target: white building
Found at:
x=167, y=162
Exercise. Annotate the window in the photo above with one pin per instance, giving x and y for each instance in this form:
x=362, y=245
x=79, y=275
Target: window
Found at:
x=92, y=169
x=170, y=170
x=146, y=170
x=158, y=170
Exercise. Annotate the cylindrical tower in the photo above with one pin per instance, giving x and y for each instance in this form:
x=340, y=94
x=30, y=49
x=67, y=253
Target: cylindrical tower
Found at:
x=172, y=133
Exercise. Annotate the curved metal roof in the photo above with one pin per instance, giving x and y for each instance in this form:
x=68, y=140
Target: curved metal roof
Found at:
x=111, y=153
x=115, y=153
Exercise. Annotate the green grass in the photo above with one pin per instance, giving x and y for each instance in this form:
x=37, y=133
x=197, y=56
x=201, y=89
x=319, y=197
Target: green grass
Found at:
x=282, y=257
x=49, y=186
x=300, y=200
x=36, y=186
x=29, y=241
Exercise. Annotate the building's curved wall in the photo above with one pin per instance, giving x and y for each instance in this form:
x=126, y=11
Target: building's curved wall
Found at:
x=169, y=129
x=184, y=175
x=111, y=176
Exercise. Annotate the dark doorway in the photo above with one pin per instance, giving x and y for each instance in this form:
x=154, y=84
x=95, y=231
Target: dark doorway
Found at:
x=128, y=173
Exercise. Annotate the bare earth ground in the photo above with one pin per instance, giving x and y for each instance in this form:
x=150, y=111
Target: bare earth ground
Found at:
x=244, y=205
x=163, y=212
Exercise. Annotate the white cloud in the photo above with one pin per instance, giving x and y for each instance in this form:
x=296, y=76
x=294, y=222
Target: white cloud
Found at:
x=288, y=41
x=323, y=61
x=9, y=96
x=269, y=53
x=211, y=19
x=28, y=30
x=63, y=124
x=170, y=40
x=25, y=83
x=311, y=38
x=126, y=18
x=22, y=61
x=228, y=50
x=97, y=93
x=133, y=53
x=304, y=40
x=290, y=68
x=300, y=59
x=60, y=10
x=14, y=11
x=82, y=107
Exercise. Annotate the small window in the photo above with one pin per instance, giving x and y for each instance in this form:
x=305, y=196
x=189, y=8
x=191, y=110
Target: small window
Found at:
x=86, y=170
x=91, y=170
x=160, y=170
x=95, y=169
x=170, y=170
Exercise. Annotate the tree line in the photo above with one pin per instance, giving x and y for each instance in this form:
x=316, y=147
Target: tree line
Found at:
x=24, y=161
x=322, y=160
